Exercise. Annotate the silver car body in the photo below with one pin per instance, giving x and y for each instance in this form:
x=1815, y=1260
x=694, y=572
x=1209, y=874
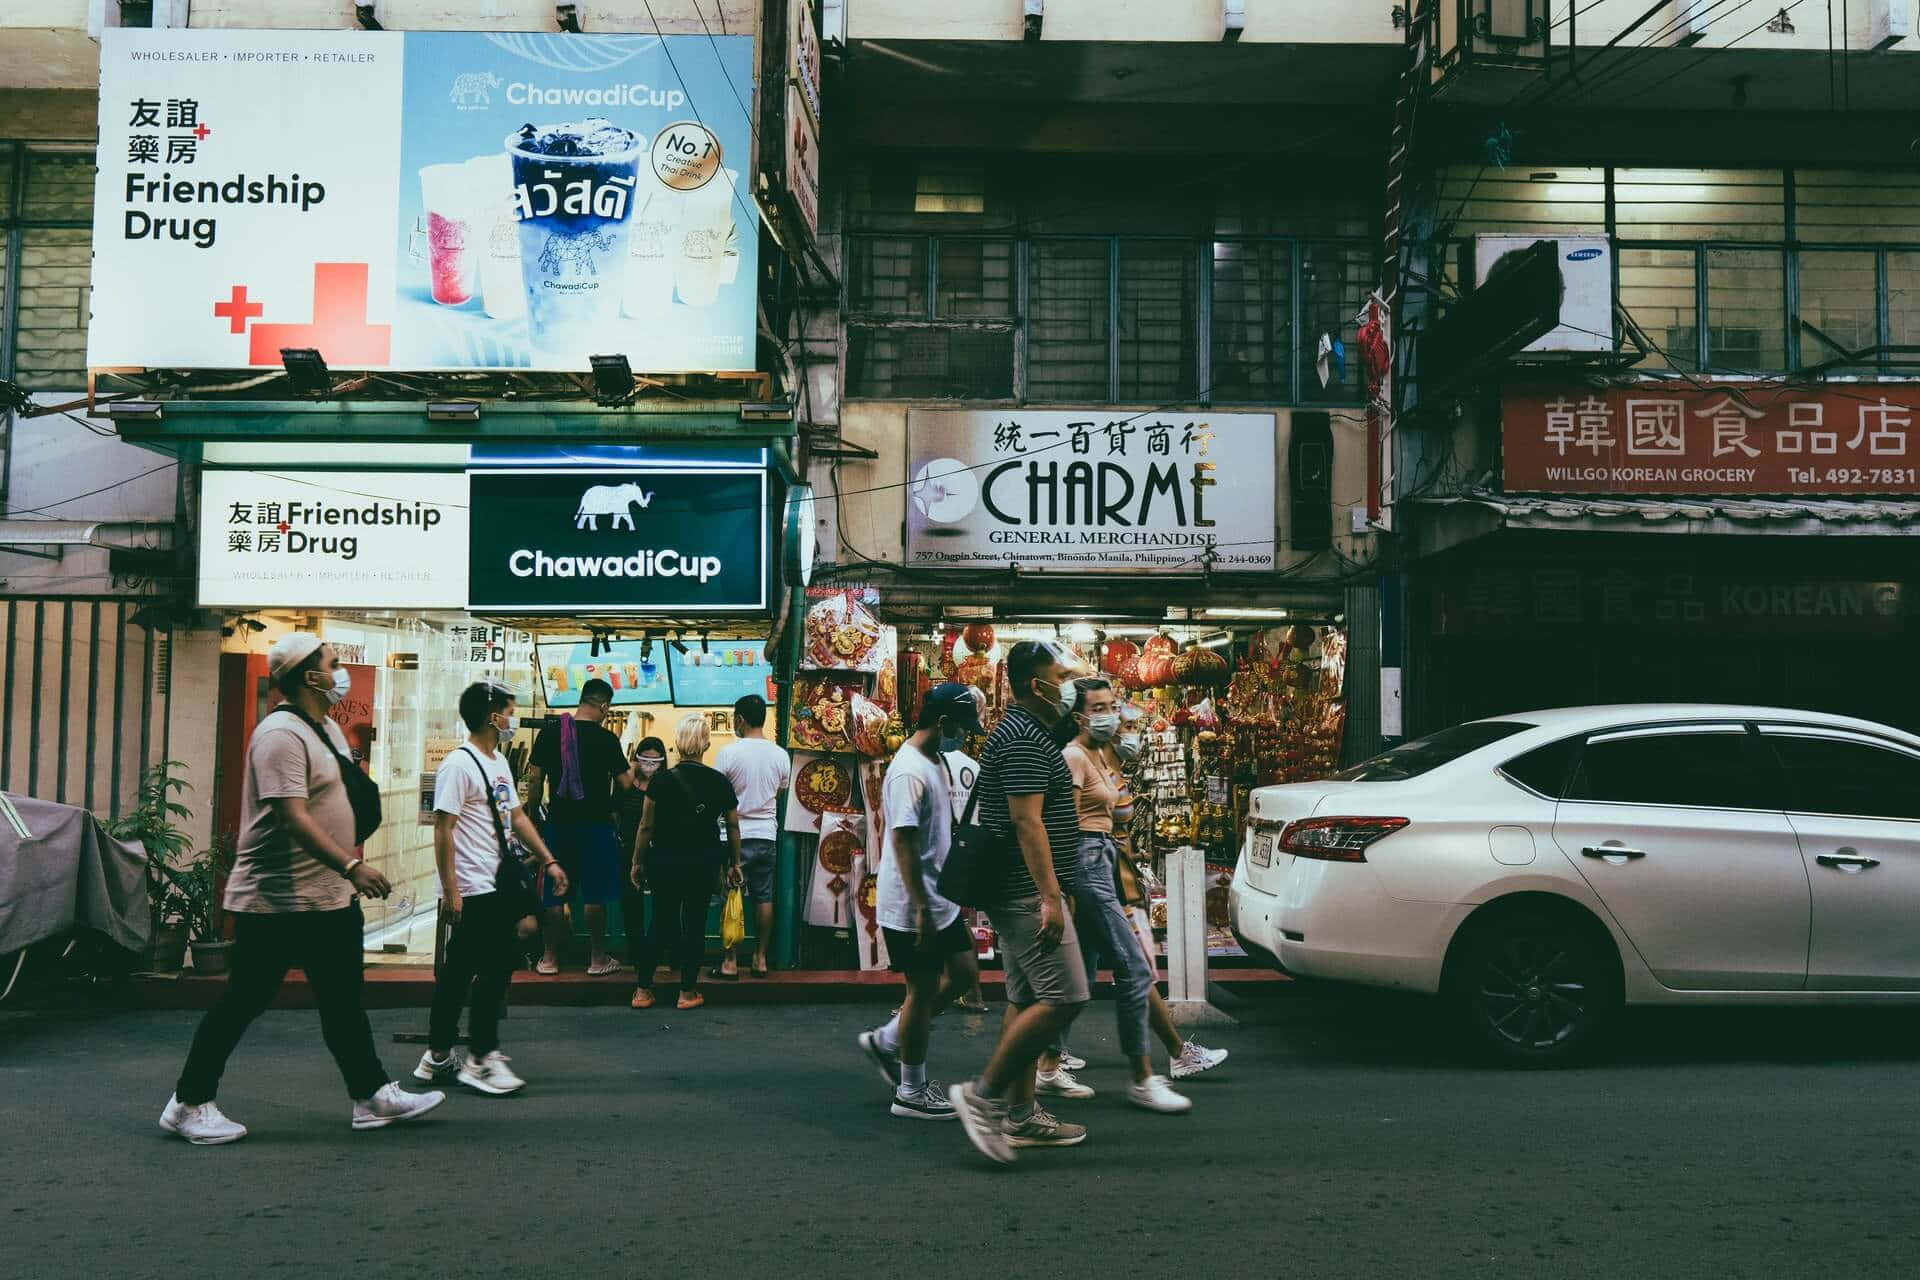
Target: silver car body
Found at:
x=1704, y=904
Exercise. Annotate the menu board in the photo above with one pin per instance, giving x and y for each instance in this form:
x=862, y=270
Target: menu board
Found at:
x=728, y=671
x=635, y=679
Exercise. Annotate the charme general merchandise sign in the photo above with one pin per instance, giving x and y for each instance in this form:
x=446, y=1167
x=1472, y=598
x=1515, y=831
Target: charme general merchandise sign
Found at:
x=629, y=541
x=423, y=200
x=1071, y=491
x=1757, y=439
x=320, y=538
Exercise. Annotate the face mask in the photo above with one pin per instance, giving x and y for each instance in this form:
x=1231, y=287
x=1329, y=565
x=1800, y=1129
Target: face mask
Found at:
x=648, y=765
x=342, y=682
x=1102, y=727
x=1128, y=748
x=511, y=727
x=1063, y=697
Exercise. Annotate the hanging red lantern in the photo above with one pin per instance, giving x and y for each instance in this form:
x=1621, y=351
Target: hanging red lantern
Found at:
x=978, y=636
x=1115, y=653
x=1160, y=642
x=1201, y=667
x=1156, y=666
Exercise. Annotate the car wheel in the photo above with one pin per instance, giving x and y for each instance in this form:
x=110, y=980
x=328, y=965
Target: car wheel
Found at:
x=1536, y=989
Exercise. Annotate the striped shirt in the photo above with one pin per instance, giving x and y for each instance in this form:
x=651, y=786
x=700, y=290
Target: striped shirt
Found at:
x=1022, y=759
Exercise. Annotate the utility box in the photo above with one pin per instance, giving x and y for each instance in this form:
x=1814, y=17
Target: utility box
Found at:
x=1586, y=277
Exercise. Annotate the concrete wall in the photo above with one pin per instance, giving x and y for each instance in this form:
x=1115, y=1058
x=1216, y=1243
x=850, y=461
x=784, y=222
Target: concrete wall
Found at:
x=868, y=519
x=1276, y=21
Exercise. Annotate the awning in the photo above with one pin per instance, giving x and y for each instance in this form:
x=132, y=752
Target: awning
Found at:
x=1447, y=522
x=121, y=535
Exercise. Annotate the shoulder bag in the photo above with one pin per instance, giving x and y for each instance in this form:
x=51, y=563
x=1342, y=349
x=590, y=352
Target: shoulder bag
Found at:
x=363, y=793
x=975, y=872
x=511, y=878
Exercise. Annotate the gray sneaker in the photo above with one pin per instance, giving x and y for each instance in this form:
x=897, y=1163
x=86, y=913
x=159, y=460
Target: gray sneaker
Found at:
x=1044, y=1129
x=985, y=1120
x=929, y=1102
x=887, y=1063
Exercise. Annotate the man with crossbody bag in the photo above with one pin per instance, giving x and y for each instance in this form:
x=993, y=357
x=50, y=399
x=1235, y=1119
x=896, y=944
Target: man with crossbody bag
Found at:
x=485, y=893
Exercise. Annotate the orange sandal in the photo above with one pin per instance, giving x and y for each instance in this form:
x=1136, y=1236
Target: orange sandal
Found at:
x=642, y=998
x=691, y=1000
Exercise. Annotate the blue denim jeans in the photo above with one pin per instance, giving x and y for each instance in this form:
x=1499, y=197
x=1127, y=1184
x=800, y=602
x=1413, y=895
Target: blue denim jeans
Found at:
x=1105, y=931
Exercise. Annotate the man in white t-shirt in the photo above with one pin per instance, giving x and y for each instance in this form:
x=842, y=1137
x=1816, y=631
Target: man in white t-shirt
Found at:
x=474, y=808
x=927, y=941
x=759, y=771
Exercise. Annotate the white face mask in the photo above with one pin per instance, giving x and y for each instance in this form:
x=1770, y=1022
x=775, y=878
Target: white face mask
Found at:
x=342, y=683
x=510, y=728
x=1102, y=727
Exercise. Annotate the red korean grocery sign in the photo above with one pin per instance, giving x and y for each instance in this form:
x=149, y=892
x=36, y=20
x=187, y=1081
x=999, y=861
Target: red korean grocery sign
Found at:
x=1764, y=439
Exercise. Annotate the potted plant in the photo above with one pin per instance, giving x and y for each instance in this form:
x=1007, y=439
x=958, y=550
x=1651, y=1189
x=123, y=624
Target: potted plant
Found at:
x=151, y=822
x=205, y=920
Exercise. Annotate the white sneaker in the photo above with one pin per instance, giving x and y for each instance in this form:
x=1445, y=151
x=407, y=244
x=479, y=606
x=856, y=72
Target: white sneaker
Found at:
x=1196, y=1058
x=1155, y=1094
x=985, y=1122
x=490, y=1074
x=1072, y=1061
x=391, y=1104
x=929, y=1102
x=203, y=1126
x=433, y=1070
x=1061, y=1084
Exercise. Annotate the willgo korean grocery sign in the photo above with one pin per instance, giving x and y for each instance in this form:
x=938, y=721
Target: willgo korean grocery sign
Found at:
x=1842, y=438
x=423, y=200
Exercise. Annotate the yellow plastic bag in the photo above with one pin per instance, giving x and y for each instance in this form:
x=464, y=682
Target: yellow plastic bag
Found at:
x=733, y=921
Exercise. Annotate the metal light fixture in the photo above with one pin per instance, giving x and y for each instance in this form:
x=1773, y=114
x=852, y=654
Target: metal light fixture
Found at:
x=679, y=645
x=453, y=411
x=704, y=636
x=306, y=372
x=766, y=412
x=612, y=380
x=134, y=411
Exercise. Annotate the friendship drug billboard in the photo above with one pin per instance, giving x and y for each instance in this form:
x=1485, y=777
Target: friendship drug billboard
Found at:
x=423, y=200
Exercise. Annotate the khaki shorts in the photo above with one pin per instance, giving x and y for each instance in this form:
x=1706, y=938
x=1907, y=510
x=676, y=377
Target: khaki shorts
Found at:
x=1035, y=972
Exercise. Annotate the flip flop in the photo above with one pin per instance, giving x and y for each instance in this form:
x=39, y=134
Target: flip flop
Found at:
x=604, y=968
x=546, y=968
x=719, y=976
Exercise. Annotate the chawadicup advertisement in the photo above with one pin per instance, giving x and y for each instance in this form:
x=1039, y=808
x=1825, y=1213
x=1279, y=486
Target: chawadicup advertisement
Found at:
x=423, y=200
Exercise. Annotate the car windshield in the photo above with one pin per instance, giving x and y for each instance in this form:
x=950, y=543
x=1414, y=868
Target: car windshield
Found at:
x=1411, y=759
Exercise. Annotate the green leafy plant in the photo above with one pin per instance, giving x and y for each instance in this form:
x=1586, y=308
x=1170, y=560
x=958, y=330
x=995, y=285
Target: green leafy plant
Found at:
x=172, y=877
x=199, y=886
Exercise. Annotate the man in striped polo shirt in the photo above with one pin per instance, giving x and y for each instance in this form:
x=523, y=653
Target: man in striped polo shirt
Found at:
x=1026, y=800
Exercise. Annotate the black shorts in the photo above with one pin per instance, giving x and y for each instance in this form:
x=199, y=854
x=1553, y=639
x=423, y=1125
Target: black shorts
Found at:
x=906, y=955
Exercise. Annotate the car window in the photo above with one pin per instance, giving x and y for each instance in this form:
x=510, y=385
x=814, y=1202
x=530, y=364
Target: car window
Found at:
x=1705, y=767
x=1545, y=769
x=1411, y=759
x=1848, y=776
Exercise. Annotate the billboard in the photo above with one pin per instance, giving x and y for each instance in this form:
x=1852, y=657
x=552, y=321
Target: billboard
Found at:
x=1070, y=491
x=423, y=200
x=688, y=540
x=1724, y=438
x=630, y=666
x=312, y=539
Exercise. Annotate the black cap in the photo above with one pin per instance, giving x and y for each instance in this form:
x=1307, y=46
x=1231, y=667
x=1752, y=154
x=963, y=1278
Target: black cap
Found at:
x=953, y=701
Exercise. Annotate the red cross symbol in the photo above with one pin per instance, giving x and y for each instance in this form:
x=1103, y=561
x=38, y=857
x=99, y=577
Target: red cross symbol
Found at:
x=237, y=310
x=339, y=329
x=283, y=526
x=202, y=132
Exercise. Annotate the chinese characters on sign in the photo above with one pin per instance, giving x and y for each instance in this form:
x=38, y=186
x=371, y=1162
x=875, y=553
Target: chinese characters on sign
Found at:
x=1648, y=438
x=1074, y=490
x=1506, y=598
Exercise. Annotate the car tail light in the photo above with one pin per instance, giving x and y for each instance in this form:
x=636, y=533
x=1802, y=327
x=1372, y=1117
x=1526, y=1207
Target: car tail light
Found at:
x=1336, y=839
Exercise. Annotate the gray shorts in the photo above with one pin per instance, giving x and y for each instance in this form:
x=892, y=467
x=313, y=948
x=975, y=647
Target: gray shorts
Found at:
x=1035, y=972
x=757, y=860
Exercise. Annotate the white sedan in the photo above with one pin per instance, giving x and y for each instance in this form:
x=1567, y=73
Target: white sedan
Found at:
x=1541, y=870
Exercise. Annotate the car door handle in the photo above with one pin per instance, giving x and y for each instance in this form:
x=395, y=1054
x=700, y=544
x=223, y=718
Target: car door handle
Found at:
x=1846, y=858
x=1612, y=851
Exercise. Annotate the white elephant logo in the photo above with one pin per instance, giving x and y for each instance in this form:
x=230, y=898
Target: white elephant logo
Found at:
x=614, y=500
x=470, y=89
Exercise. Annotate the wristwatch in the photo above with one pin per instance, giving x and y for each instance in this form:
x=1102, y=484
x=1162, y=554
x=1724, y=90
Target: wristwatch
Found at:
x=346, y=872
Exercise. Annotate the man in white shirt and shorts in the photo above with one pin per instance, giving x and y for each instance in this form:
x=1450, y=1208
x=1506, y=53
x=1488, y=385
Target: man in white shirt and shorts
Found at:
x=927, y=942
x=759, y=771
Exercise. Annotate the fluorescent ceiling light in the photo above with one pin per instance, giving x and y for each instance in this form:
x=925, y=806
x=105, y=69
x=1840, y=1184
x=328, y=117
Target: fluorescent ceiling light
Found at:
x=1243, y=613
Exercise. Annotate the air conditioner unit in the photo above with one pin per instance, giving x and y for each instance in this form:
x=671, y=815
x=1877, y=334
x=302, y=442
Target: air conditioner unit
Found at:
x=1889, y=22
x=1586, y=273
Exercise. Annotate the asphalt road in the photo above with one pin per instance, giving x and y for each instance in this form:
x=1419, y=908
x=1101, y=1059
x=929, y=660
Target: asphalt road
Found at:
x=750, y=1142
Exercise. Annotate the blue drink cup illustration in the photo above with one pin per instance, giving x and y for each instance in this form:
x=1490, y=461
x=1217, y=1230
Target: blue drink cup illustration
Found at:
x=573, y=200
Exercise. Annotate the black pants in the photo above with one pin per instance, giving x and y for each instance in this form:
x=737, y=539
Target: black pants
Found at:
x=482, y=953
x=682, y=894
x=327, y=946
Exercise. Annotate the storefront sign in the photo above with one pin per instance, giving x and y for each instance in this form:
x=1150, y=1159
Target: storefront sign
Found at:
x=423, y=200
x=1668, y=438
x=689, y=541
x=366, y=539
x=1511, y=598
x=803, y=56
x=1071, y=491
x=803, y=161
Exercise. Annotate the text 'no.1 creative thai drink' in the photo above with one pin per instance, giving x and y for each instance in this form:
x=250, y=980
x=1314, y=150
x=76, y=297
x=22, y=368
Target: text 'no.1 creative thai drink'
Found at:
x=573, y=197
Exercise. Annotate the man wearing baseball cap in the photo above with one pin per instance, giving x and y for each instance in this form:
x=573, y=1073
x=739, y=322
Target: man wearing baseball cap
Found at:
x=294, y=894
x=927, y=942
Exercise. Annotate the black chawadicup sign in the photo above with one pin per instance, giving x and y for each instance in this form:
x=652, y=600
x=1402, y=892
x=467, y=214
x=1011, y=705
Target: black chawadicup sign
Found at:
x=619, y=541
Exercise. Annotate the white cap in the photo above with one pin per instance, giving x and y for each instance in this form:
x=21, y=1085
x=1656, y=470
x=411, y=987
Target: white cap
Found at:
x=289, y=652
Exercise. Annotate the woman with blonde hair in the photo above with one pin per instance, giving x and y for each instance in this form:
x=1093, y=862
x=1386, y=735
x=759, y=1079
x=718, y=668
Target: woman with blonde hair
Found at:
x=689, y=831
